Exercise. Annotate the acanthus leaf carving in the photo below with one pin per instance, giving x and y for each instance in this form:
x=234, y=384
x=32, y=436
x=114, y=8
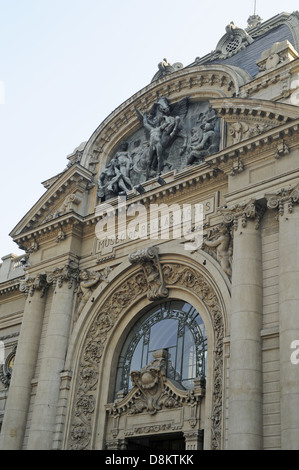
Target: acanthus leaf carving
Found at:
x=288, y=196
x=68, y=273
x=30, y=284
x=252, y=210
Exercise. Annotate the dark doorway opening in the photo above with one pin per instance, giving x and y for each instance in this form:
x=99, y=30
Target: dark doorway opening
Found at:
x=165, y=442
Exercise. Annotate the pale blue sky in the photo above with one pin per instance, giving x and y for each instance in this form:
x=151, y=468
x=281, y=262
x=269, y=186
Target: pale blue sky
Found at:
x=67, y=64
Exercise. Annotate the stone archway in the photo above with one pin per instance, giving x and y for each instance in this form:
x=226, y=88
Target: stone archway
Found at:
x=178, y=276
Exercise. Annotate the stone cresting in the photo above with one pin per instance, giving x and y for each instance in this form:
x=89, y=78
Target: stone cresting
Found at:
x=175, y=274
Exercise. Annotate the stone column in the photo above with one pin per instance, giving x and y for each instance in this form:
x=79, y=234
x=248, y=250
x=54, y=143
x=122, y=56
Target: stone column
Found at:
x=56, y=341
x=286, y=202
x=245, y=366
x=16, y=410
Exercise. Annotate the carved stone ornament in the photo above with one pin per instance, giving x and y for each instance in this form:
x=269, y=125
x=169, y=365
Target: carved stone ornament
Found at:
x=68, y=273
x=284, y=197
x=149, y=259
x=6, y=368
x=119, y=301
x=232, y=42
x=279, y=54
x=239, y=131
x=165, y=68
x=281, y=150
x=30, y=284
x=219, y=243
x=252, y=210
x=88, y=282
x=152, y=392
x=172, y=136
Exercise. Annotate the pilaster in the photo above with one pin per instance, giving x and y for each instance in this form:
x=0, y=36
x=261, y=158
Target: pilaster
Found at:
x=43, y=422
x=286, y=202
x=193, y=439
x=15, y=417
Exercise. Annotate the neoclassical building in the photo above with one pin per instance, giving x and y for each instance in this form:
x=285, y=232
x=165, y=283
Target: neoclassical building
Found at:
x=156, y=303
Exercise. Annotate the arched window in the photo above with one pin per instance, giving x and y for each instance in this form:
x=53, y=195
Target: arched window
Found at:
x=175, y=326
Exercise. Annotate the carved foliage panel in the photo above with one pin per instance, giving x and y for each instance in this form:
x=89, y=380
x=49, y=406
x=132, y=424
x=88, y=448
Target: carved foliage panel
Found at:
x=84, y=405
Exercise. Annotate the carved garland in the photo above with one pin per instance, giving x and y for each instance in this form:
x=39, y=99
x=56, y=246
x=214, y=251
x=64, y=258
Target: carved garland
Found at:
x=85, y=397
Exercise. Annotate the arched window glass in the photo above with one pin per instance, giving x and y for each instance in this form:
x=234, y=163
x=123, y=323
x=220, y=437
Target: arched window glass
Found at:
x=175, y=326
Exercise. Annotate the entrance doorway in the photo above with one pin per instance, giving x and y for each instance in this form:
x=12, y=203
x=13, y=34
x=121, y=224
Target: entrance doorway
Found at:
x=164, y=442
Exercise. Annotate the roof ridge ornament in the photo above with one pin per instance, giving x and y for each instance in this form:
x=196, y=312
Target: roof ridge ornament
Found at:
x=254, y=20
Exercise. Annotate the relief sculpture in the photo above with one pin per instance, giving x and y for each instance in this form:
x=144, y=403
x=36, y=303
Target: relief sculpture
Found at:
x=171, y=137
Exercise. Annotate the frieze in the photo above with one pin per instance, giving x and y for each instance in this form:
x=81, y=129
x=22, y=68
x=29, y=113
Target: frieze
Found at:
x=83, y=414
x=105, y=247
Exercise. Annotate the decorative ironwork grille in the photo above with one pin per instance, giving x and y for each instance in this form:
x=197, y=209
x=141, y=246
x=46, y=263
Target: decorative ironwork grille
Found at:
x=176, y=326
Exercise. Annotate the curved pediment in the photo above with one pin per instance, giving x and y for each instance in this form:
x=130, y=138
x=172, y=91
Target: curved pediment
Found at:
x=199, y=83
x=166, y=126
x=247, y=118
x=153, y=391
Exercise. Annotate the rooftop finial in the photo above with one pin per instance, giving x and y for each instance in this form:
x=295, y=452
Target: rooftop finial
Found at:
x=254, y=20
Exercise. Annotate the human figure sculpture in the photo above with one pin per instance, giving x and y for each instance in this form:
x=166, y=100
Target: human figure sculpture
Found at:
x=222, y=243
x=116, y=176
x=88, y=281
x=208, y=144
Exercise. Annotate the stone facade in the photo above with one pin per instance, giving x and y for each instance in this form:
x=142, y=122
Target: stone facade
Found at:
x=220, y=137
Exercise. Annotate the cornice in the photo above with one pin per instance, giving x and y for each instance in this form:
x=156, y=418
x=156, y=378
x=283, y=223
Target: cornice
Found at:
x=10, y=286
x=27, y=239
x=256, y=145
x=77, y=176
x=281, y=73
x=235, y=107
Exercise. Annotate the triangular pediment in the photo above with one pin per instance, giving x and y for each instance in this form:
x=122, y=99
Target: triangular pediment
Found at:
x=63, y=196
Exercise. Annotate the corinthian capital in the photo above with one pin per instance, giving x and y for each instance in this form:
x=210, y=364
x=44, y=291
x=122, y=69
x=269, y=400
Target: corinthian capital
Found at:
x=248, y=210
x=32, y=283
x=68, y=273
x=283, y=197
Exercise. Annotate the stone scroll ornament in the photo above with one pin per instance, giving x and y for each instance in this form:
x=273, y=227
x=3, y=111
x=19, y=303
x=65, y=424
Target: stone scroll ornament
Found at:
x=149, y=259
x=119, y=301
x=171, y=137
